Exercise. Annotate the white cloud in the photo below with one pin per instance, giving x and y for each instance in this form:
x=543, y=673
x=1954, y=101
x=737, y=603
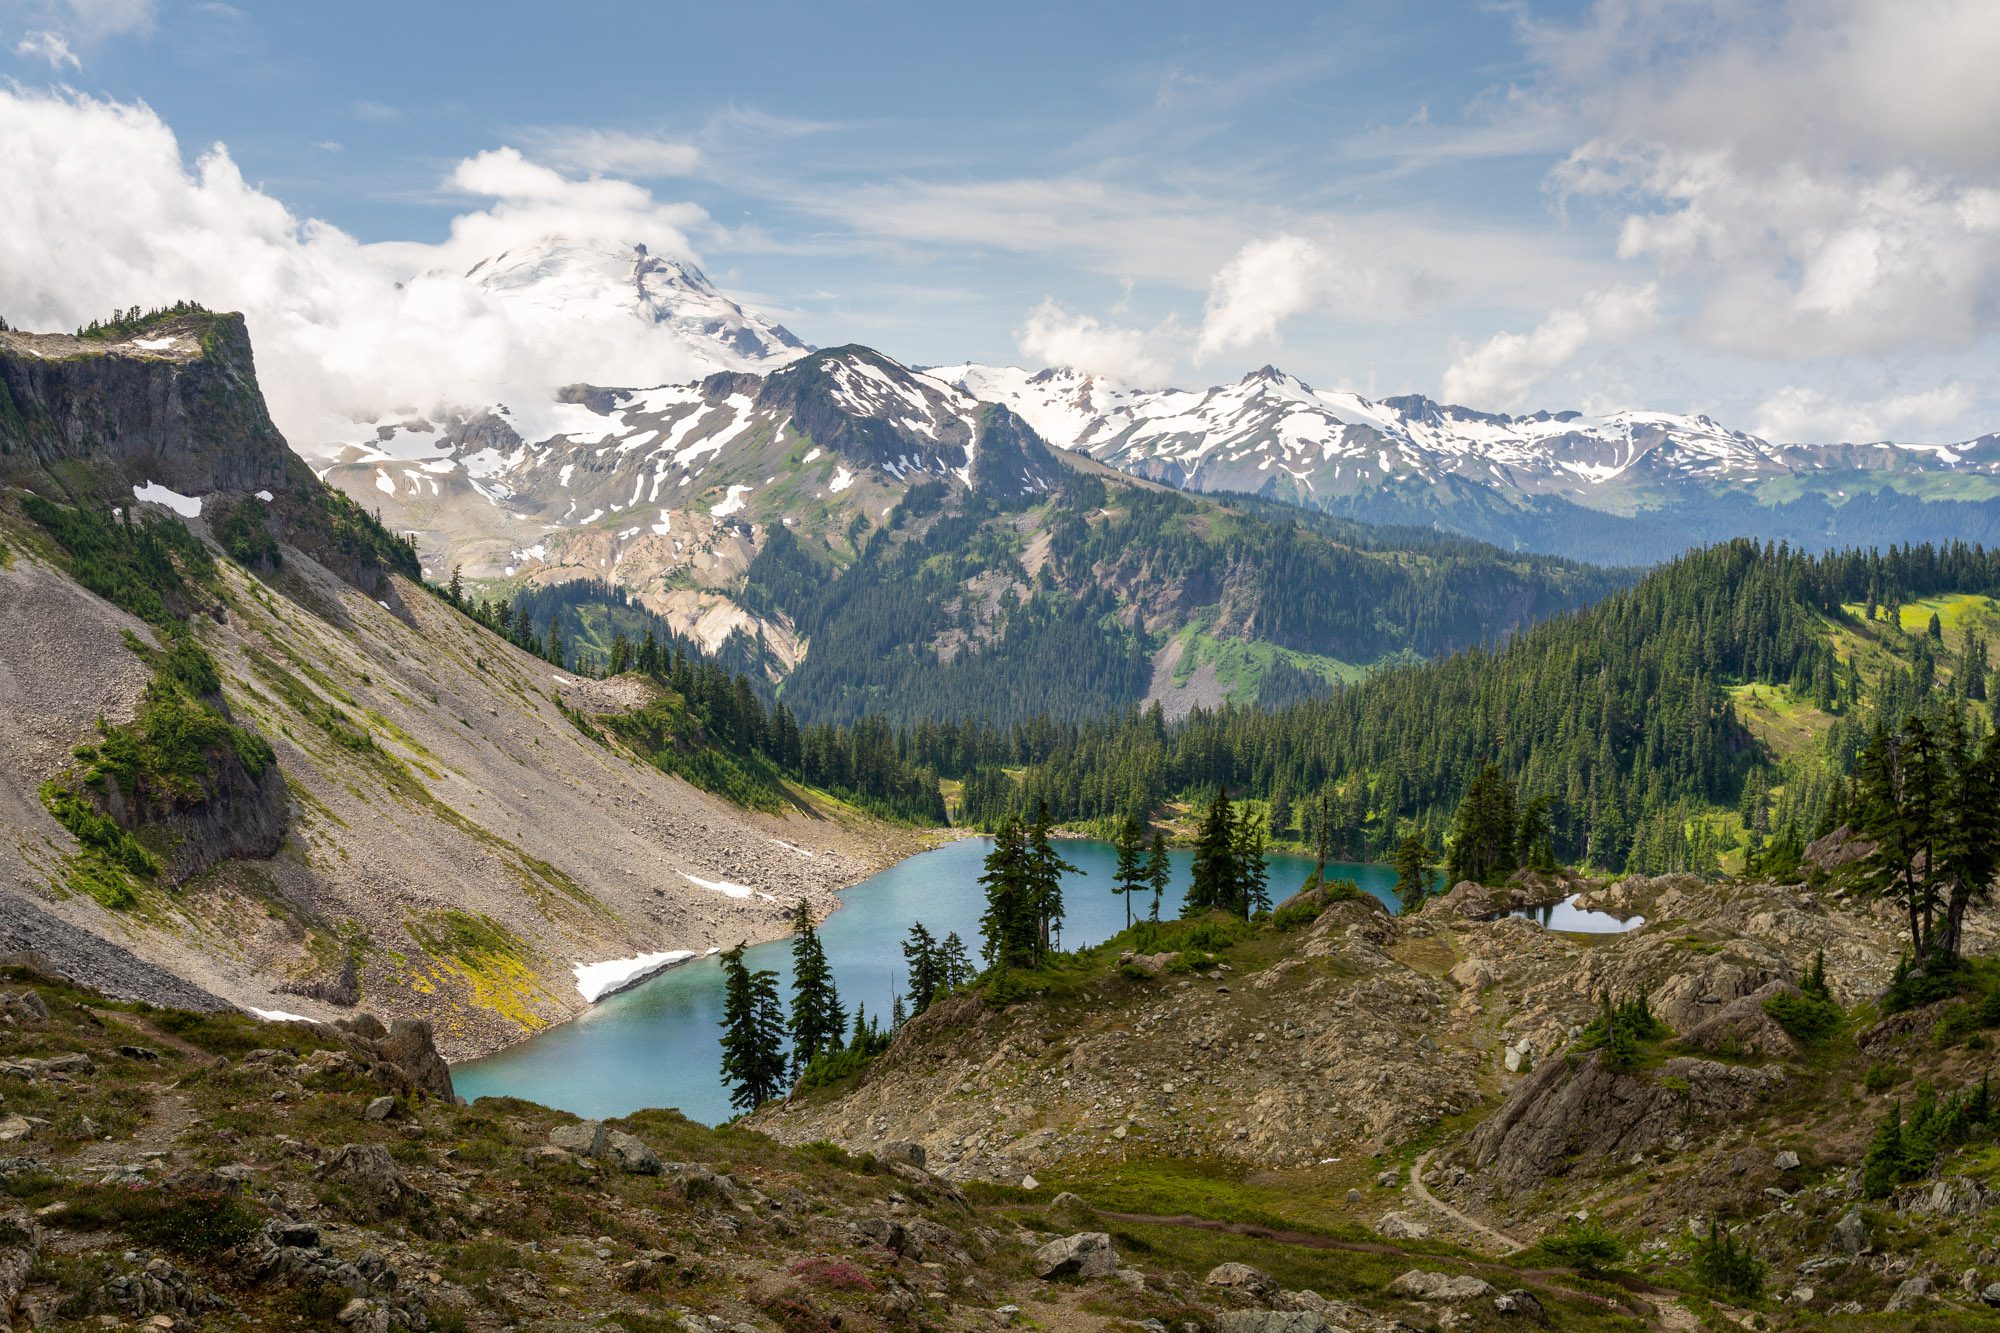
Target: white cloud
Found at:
x=1056, y=337
x=1268, y=282
x=1502, y=371
x=102, y=212
x=50, y=46
x=1799, y=413
x=618, y=153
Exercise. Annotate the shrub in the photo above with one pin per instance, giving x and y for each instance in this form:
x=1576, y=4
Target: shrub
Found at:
x=1881, y=1076
x=1912, y=987
x=1620, y=1030
x=1586, y=1245
x=1294, y=915
x=1726, y=1265
x=833, y=1275
x=1805, y=1018
x=1955, y=1024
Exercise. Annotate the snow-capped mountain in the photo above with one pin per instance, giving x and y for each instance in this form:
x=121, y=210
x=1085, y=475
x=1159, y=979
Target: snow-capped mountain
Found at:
x=1596, y=487
x=1272, y=432
x=670, y=491
x=565, y=284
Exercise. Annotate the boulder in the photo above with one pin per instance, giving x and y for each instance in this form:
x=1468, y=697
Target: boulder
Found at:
x=1850, y=1234
x=380, y=1109
x=1068, y=1209
x=1521, y=1303
x=1086, y=1254
x=1270, y=1321
x=1786, y=1161
x=374, y=1181
x=902, y=1150
x=1401, y=1226
x=630, y=1154
x=1241, y=1277
x=1740, y=1027
x=1447, y=1288
x=1913, y=1292
x=1991, y=1295
x=586, y=1138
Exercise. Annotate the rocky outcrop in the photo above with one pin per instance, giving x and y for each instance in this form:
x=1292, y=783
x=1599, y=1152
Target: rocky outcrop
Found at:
x=1742, y=1027
x=403, y=1056
x=1575, y=1112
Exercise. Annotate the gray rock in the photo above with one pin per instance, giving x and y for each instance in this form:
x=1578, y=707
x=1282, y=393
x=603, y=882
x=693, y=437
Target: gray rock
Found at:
x=631, y=1155
x=1850, y=1234
x=1786, y=1161
x=1913, y=1292
x=1270, y=1321
x=1991, y=1295
x=13, y=1128
x=585, y=1138
x=1241, y=1277
x=1953, y=1196
x=74, y=1062
x=1444, y=1287
x=902, y=1150
x=1520, y=1302
x=1086, y=1254
x=1354, y=1196
x=1401, y=1226
x=380, y=1109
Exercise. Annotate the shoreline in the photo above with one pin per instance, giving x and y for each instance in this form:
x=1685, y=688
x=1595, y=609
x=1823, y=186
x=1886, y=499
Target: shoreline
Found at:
x=923, y=840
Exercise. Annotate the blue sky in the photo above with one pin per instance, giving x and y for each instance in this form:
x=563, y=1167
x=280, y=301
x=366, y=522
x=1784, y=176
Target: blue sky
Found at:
x=1782, y=213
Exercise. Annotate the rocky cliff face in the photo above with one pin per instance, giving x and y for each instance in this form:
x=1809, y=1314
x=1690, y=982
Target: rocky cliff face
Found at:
x=174, y=401
x=429, y=834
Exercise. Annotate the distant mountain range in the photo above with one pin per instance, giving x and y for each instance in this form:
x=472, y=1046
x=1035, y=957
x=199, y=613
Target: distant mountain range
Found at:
x=637, y=484
x=1652, y=483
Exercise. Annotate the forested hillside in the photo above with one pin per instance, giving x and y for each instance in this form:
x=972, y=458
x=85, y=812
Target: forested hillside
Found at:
x=962, y=606
x=1714, y=705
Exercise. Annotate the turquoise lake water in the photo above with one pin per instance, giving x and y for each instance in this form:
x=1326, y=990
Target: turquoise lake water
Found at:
x=659, y=1044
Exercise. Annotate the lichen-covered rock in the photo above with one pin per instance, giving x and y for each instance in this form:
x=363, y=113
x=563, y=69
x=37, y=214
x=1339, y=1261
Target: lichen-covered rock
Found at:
x=1087, y=1254
x=1241, y=1277
x=1447, y=1288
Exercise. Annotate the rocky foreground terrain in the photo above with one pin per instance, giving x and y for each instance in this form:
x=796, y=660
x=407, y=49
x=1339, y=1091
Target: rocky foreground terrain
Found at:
x=164, y=1169
x=1409, y=1078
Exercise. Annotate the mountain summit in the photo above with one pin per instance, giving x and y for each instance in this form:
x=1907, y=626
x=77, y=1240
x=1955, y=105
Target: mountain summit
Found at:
x=574, y=281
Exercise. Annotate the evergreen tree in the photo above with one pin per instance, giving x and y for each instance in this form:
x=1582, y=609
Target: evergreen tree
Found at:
x=1008, y=926
x=455, y=591
x=1042, y=874
x=817, y=1017
x=954, y=966
x=1484, y=834
x=1159, y=873
x=927, y=966
x=1130, y=876
x=753, y=1033
x=1882, y=1169
x=1248, y=893
x=1413, y=871
x=1213, y=886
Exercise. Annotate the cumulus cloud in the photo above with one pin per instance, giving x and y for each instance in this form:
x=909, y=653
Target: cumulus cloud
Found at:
x=102, y=212
x=1056, y=337
x=50, y=46
x=1268, y=282
x=1814, y=177
x=1503, y=370
x=1799, y=413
